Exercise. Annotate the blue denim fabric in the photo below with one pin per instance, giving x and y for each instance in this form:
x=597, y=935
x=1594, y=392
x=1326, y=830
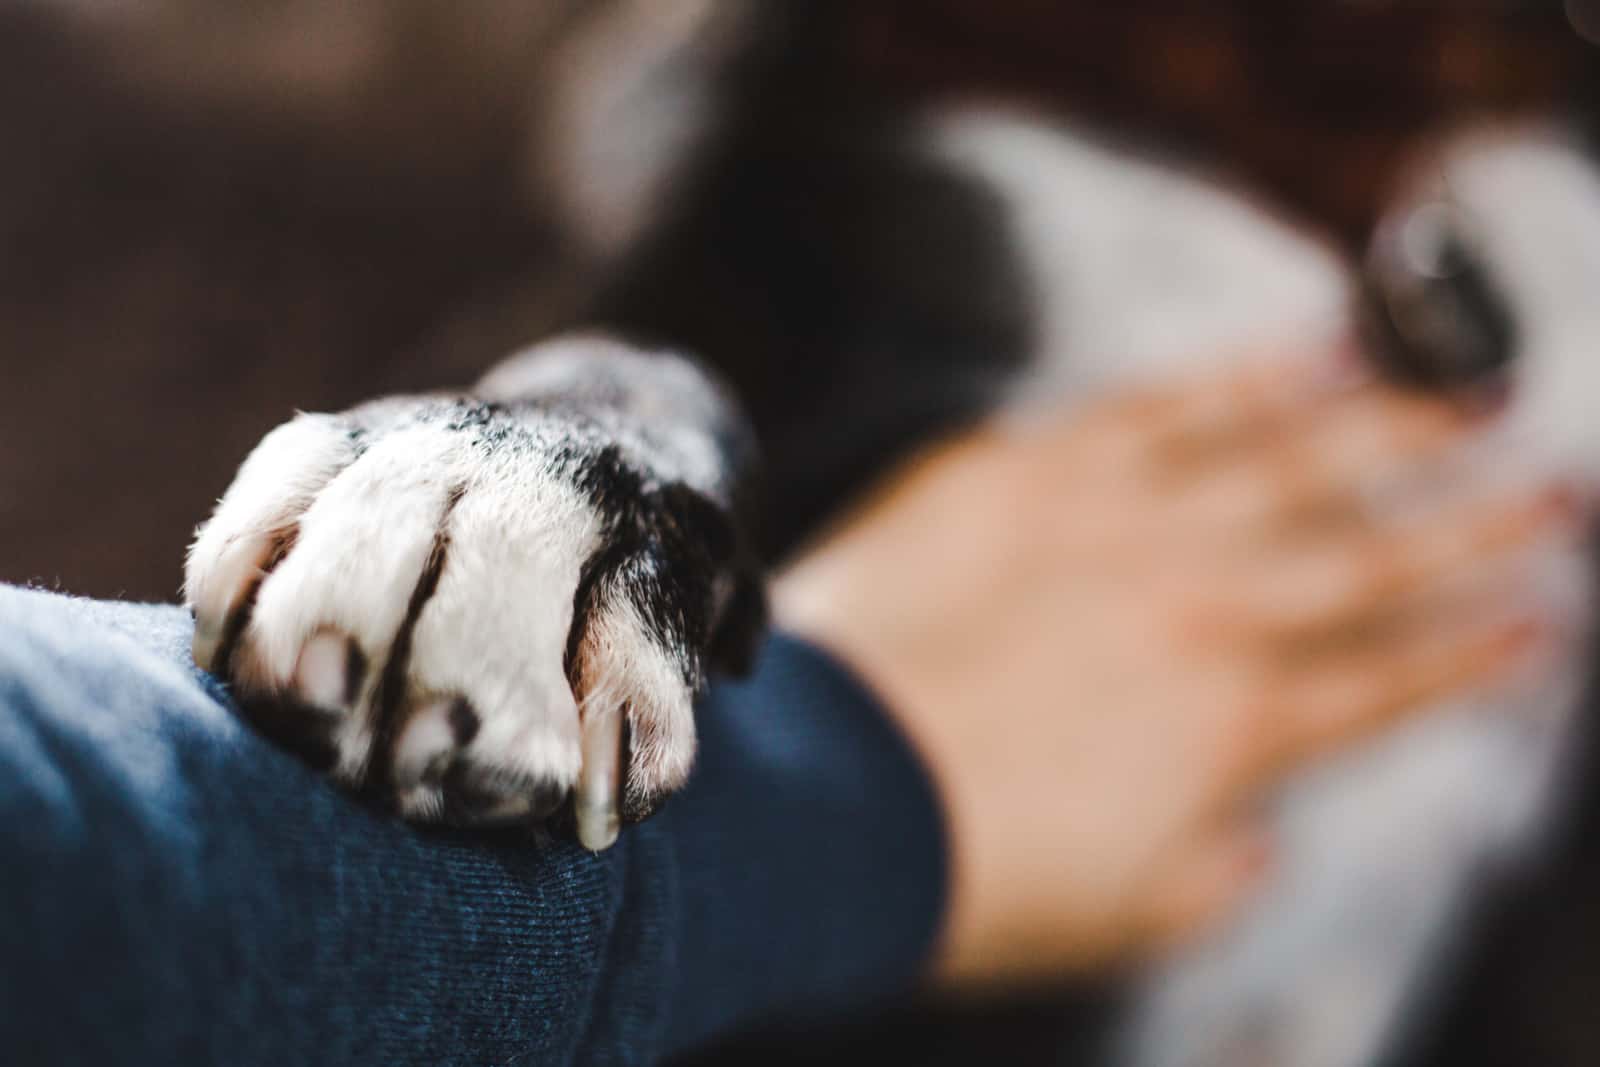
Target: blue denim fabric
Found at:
x=175, y=890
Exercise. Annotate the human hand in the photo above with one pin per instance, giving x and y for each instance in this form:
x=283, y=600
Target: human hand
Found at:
x=1110, y=634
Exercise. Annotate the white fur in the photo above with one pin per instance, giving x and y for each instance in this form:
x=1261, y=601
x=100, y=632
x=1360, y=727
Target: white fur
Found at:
x=1139, y=268
x=664, y=421
x=619, y=107
x=275, y=483
x=1136, y=267
x=495, y=629
x=363, y=541
x=1533, y=200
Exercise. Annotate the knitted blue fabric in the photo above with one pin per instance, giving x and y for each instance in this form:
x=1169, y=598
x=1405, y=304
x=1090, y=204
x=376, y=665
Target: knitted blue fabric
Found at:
x=177, y=891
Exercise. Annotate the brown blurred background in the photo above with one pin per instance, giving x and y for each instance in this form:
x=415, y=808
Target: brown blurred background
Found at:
x=184, y=262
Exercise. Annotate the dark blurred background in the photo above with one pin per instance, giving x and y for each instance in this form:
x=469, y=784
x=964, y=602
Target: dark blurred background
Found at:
x=216, y=216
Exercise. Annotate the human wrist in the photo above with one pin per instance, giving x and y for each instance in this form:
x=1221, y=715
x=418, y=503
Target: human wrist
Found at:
x=812, y=600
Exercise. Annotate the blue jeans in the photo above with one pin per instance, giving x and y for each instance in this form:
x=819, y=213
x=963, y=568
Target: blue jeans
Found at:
x=176, y=890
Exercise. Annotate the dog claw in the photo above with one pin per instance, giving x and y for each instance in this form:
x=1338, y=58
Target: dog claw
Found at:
x=598, y=782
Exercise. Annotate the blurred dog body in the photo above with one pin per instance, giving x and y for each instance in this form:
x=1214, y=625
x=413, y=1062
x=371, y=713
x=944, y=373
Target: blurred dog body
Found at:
x=868, y=279
x=1144, y=270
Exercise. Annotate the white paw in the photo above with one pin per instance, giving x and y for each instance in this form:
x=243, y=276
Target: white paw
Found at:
x=446, y=612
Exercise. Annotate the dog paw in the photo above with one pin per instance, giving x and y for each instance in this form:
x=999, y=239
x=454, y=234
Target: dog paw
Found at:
x=480, y=616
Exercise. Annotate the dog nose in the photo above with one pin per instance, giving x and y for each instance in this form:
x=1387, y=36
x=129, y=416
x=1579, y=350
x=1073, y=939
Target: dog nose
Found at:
x=1430, y=311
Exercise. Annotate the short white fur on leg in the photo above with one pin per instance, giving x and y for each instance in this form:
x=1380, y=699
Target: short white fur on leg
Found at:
x=362, y=544
x=496, y=629
x=275, y=483
x=440, y=563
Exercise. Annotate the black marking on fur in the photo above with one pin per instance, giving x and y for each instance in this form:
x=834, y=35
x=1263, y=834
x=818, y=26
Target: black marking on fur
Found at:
x=464, y=722
x=896, y=306
x=433, y=773
x=473, y=414
x=675, y=552
x=614, y=487
x=671, y=551
x=586, y=600
x=698, y=520
x=679, y=558
x=356, y=437
x=670, y=586
x=665, y=548
x=233, y=629
x=1448, y=327
x=485, y=421
x=740, y=622
x=305, y=730
x=472, y=791
x=623, y=564
x=389, y=698
x=299, y=728
x=355, y=671
x=633, y=805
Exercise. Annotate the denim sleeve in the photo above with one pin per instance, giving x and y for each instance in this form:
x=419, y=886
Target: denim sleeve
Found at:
x=175, y=890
